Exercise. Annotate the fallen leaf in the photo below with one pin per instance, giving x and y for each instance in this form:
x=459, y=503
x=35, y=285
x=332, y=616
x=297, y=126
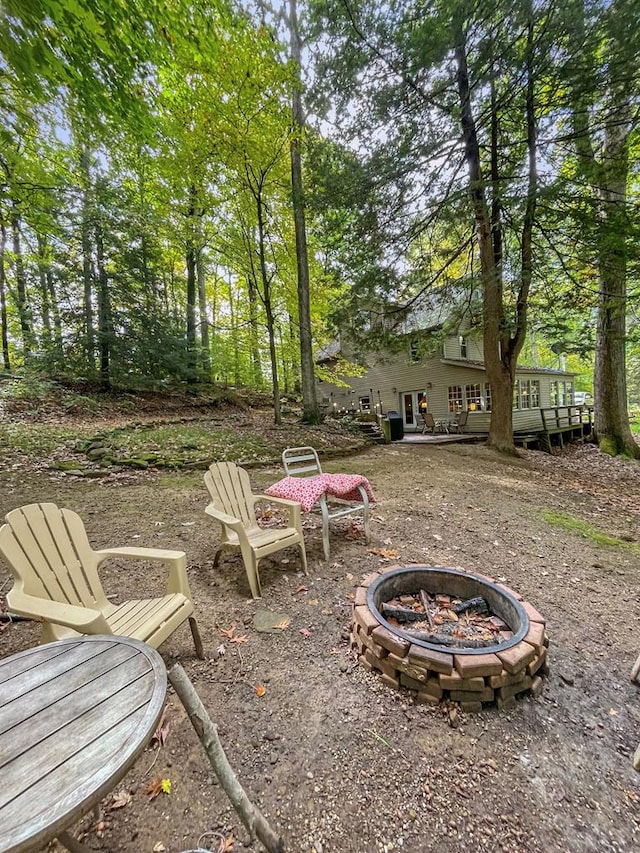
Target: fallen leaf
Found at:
x=226, y=844
x=228, y=632
x=158, y=786
x=162, y=730
x=388, y=541
x=260, y=690
x=313, y=602
x=187, y=523
x=159, y=847
x=242, y=638
x=348, y=575
x=301, y=590
x=305, y=632
x=283, y=624
x=221, y=650
x=120, y=800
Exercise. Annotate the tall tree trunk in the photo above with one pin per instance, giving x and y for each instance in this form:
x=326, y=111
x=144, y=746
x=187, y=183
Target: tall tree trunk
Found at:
x=254, y=337
x=608, y=177
x=202, y=302
x=311, y=412
x=3, y=299
x=268, y=308
x=43, y=265
x=105, y=321
x=611, y=420
x=88, y=272
x=503, y=338
x=234, y=334
x=498, y=371
x=22, y=300
x=192, y=290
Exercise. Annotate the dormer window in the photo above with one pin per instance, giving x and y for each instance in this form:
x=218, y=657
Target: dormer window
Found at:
x=463, y=346
x=414, y=352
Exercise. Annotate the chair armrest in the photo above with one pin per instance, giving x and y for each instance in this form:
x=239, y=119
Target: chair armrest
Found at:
x=364, y=495
x=176, y=560
x=82, y=619
x=134, y=553
x=223, y=518
x=294, y=508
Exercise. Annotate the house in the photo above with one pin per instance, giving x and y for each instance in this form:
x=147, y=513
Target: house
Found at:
x=446, y=380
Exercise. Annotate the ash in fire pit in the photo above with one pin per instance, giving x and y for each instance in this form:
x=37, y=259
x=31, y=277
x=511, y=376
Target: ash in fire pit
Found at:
x=446, y=634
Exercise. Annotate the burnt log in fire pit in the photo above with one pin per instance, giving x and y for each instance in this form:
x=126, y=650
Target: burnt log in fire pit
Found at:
x=446, y=634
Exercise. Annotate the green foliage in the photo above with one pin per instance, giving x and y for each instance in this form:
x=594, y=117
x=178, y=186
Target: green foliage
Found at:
x=26, y=386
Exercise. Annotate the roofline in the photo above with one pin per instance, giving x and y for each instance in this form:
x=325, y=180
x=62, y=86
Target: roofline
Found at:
x=480, y=365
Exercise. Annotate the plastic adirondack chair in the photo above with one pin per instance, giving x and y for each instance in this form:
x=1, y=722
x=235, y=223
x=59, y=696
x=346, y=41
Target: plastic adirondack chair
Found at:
x=460, y=422
x=56, y=579
x=429, y=423
x=233, y=505
x=304, y=462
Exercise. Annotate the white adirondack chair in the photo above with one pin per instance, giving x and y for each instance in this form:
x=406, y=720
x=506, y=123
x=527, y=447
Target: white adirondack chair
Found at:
x=56, y=579
x=233, y=505
x=304, y=462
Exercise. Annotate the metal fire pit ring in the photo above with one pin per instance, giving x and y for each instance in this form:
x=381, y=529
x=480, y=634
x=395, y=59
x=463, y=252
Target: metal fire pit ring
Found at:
x=433, y=673
x=458, y=584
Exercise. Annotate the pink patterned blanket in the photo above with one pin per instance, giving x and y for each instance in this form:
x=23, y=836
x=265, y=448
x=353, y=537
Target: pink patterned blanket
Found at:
x=307, y=490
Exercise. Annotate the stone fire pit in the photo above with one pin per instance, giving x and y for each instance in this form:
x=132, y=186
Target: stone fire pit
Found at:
x=512, y=665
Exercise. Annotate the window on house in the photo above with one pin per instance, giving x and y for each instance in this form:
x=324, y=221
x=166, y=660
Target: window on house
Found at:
x=526, y=394
x=473, y=397
x=455, y=399
x=414, y=352
x=561, y=393
x=364, y=403
x=463, y=346
x=487, y=397
x=535, y=394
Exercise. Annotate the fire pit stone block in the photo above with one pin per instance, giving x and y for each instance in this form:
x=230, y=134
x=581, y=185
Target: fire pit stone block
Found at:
x=468, y=665
x=473, y=678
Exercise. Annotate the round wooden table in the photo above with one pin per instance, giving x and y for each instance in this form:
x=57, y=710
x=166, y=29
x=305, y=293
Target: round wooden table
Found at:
x=74, y=716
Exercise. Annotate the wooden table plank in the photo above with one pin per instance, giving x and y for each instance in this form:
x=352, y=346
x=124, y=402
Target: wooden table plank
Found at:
x=40, y=692
x=39, y=724
x=91, y=707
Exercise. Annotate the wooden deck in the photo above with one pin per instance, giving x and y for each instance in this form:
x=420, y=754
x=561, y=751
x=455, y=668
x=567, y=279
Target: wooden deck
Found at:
x=441, y=438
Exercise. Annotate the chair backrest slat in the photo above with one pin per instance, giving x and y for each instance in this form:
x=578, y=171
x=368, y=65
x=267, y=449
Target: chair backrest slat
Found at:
x=230, y=491
x=301, y=462
x=48, y=552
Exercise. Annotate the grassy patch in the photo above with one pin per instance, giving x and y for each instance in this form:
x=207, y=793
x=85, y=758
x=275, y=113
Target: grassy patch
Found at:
x=190, y=442
x=585, y=529
x=39, y=441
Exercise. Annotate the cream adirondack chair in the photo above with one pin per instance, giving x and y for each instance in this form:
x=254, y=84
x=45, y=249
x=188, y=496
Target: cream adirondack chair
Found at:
x=56, y=581
x=233, y=505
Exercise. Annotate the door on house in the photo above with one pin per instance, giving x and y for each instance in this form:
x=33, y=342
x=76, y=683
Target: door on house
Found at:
x=413, y=403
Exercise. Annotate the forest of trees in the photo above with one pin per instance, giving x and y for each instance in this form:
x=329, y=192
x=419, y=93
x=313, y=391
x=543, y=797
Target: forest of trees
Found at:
x=203, y=192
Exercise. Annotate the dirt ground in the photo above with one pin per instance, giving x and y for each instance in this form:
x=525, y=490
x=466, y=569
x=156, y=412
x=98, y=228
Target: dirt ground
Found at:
x=337, y=762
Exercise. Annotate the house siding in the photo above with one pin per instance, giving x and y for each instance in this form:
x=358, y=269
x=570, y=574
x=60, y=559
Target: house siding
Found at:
x=390, y=376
